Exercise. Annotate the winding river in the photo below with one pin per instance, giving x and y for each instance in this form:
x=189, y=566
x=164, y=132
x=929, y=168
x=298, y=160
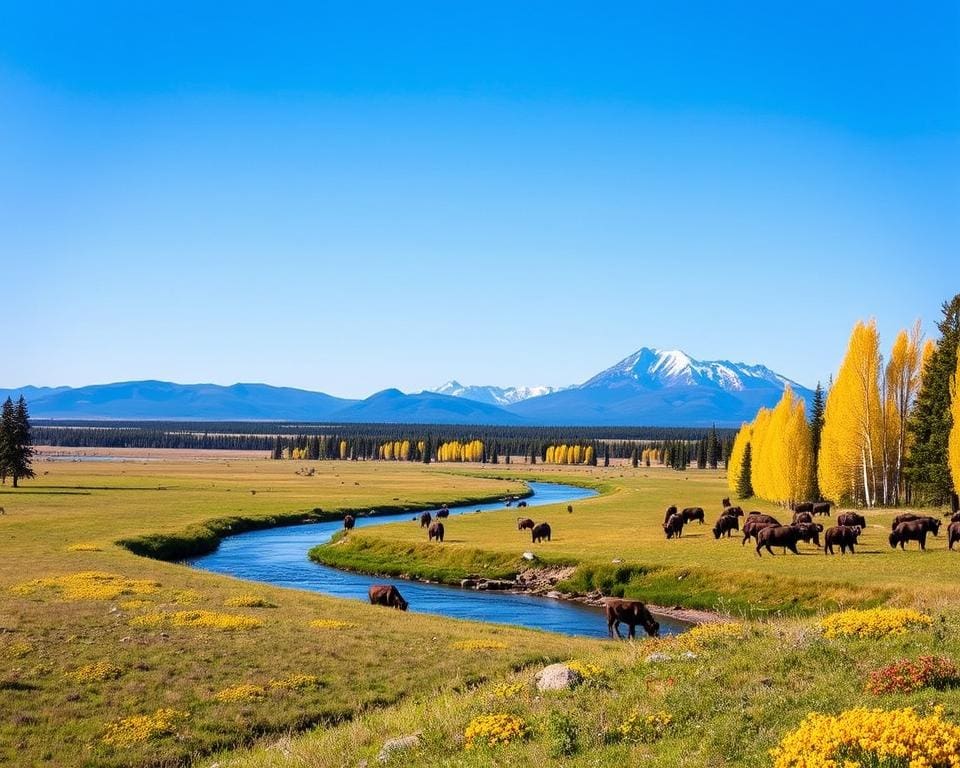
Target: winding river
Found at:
x=278, y=556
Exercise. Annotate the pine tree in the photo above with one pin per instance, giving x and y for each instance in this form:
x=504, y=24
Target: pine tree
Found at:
x=606, y=455
x=744, y=488
x=633, y=457
x=7, y=431
x=17, y=449
x=929, y=426
x=277, y=447
x=533, y=454
x=816, y=427
x=713, y=448
x=427, y=449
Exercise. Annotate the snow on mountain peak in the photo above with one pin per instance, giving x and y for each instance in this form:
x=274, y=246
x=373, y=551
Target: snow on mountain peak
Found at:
x=492, y=394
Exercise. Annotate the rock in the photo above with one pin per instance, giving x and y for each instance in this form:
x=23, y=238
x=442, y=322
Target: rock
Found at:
x=657, y=656
x=497, y=584
x=529, y=556
x=616, y=560
x=689, y=655
x=555, y=595
x=398, y=745
x=557, y=677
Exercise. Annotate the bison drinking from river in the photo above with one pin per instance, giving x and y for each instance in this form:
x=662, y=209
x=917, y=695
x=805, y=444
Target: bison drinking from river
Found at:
x=631, y=613
x=387, y=595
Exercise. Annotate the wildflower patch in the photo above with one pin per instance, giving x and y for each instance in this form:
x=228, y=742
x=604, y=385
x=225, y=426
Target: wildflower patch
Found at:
x=904, y=676
x=507, y=690
x=97, y=672
x=641, y=728
x=242, y=692
x=84, y=546
x=333, y=624
x=88, y=585
x=494, y=730
x=296, y=683
x=249, y=601
x=898, y=737
x=130, y=731
x=592, y=674
x=224, y=622
x=873, y=623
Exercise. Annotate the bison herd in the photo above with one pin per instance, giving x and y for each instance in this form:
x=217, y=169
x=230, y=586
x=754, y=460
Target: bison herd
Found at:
x=768, y=532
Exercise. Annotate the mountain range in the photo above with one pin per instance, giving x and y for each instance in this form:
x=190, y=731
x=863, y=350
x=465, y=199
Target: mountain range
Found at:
x=651, y=387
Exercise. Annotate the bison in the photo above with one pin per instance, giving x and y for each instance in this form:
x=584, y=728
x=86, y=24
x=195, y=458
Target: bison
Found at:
x=387, y=595
x=521, y=503
x=631, y=613
x=803, y=506
x=786, y=536
x=765, y=518
x=671, y=510
x=852, y=520
x=692, y=513
x=953, y=534
x=821, y=508
x=733, y=511
x=911, y=530
x=725, y=525
x=802, y=517
x=911, y=518
x=348, y=522
x=540, y=532
x=444, y=512
x=674, y=526
x=435, y=531
x=524, y=523
x=425, y=520
x=844, y=536
x=955, y=518
x=725, y=502
x=754, y=524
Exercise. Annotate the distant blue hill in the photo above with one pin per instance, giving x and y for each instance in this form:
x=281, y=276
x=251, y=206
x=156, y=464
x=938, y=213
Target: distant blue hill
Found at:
x=655, y=388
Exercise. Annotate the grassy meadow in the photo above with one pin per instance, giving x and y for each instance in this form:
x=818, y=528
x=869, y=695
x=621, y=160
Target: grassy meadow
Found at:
x=111, y=659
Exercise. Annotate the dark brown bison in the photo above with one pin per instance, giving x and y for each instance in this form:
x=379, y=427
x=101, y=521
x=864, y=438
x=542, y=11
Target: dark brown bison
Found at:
x=953, y=534
x=671, y=510
x=822, y=508
x=435, y=531
x=444, y=512
x=844, y=536
x=692, y=513
x=425, y=519
x=540, y=532
x=803, y=506
x=761, y=516
x=387, y=595
x=631, y=613
x=955, y=518
x=725, y=502
x=912, y=530
x=725, y=525
x=570, y=509
x=909, y=517
x=734, y=511
x=674, y=526
x=852, y=519
x=348, y=522
x=524, y=523
x=786, y=536
x=754, y=524
x=521, y=503
x=802, y=517
x=810, y=533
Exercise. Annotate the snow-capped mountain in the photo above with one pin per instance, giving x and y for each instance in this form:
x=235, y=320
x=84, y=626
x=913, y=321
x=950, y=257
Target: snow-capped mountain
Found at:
x=494, y=395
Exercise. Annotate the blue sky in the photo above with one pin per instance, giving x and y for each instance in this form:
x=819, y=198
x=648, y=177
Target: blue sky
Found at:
x=352, y=196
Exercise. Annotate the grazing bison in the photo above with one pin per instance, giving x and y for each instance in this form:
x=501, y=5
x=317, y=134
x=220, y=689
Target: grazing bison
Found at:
x=671, y=510
x=733, y=511
x=909, y=517
x=754, y=524
x=524, y=523
x=631, y=613
x=693, y=513
x=953, y=534
x=762, y=517
x=802, y=517
x=540, y=532
x=387, y=595
x=349, y=522
x=425, y=519
x=725, y=525
x=444, y=512
x=803, y=506
x=435, y=531
x=674, y=526
x=785, y=536
x=911, y=530
x=810, y=533
x=852, y=519
x=822, y=508
x=844, y=536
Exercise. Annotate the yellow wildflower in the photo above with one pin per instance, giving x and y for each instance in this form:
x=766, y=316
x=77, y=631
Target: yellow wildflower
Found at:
x=333, y=624
x=129, y=731
x=494, y=729
x=873, y=623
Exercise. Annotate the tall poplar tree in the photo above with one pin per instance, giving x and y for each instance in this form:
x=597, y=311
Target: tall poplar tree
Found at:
x=816, y=427
x=953, y=442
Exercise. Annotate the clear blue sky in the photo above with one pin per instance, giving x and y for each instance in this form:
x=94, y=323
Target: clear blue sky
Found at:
x=357, y=195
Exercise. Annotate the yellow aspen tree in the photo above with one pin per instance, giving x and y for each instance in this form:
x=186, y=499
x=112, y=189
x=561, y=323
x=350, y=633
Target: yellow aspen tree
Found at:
x=953, y=441
x=343, y=449
x=797, y=454
x=758, y=471
x=902, y=383
x=850, y=444
x=551, y=454
x=588, y=455
x=735, y=460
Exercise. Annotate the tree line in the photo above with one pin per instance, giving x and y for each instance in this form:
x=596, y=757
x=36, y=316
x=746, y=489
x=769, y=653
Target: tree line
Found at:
x=883, y=433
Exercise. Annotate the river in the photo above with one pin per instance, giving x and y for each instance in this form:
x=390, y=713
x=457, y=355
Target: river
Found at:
x=278, y=556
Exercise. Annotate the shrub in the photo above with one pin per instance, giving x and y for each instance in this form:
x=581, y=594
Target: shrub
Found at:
x=904, y=676
x=562, y=738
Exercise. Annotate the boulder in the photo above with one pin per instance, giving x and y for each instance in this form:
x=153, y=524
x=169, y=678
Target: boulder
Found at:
x=400, y=744
x=529, y=556
x=557, y=677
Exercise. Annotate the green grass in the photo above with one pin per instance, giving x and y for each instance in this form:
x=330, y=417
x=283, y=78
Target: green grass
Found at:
x=48, y=717
x=619, y=545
